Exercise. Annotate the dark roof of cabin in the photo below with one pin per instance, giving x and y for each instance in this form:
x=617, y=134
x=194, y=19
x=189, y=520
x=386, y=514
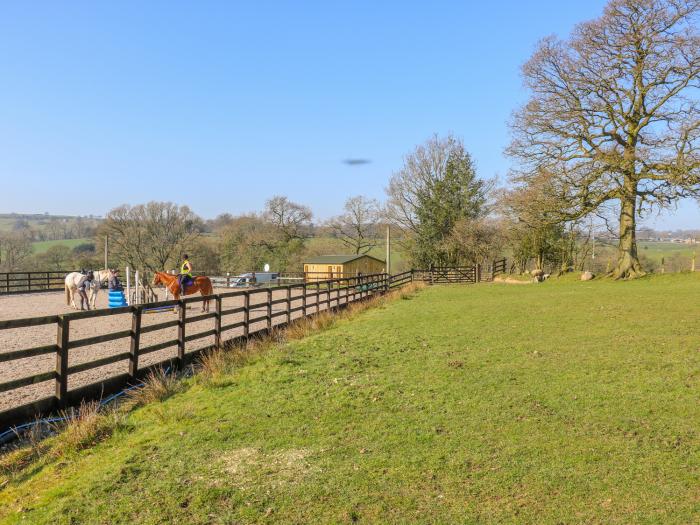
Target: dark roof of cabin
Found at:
x=338, y=259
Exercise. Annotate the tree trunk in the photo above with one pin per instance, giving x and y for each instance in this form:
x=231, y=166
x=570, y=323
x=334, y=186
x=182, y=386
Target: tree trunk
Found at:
x=628, y=266
x=539, y=260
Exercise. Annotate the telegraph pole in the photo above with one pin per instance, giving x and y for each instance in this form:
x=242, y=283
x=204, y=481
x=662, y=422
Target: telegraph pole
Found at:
x=388, y=250
x=106, y=242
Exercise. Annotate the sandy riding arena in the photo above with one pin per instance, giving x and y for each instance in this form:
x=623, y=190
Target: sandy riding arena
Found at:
x=53, y=303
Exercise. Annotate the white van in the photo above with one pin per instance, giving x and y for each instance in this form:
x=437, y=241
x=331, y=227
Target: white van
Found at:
x=253, y=279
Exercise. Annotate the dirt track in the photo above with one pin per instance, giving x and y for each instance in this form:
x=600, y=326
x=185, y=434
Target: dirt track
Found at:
x=53, y=303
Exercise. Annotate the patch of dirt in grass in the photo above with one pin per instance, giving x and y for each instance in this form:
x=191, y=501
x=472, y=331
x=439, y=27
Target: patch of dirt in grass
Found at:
x=250, y=466
x=511, y=280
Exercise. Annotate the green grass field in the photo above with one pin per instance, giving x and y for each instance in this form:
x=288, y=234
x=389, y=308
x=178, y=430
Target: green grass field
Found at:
x=42, y=246
x=564, y=402
x=658, y=250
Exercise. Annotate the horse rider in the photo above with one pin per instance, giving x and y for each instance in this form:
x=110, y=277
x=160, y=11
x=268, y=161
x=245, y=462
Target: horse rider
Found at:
x=83, y=285
x=185, y=273
x=113, y=283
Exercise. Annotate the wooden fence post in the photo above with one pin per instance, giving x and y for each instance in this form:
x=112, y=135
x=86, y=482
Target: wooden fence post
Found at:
x=269, y=310
x=181, y=333
x=217, y=323
x=246, y=314
x=289, y=304
x=303, y=300
x=135, y=342
x=318, y=296
x=477, y=272
x=328, y=294
x=62, y=339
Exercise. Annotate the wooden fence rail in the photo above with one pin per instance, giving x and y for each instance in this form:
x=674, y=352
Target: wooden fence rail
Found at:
x=259, y=310
x=461, y=274
x=262, y=311
x=54, y=280
x=28, y=282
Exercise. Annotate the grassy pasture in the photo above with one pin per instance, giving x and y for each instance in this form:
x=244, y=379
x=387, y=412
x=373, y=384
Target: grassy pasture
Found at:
x=563, y=402
x=42, y=246
x=658, y=250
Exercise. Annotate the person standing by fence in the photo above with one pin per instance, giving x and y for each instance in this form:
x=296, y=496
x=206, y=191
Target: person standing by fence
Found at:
x=83, y=285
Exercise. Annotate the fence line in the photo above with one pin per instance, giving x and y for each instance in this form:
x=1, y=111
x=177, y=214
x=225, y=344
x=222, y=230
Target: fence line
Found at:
x=28, y=282
x=260, y=313
x=54, y=280
x=262, y=310
x=461, y=274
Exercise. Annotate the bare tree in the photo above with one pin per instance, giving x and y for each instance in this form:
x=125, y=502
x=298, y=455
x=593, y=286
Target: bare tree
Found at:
x=244, y=244
x=287, y=227
x=57, y=257
x=475, y=241
x=152, y=236
x=15, y=249
x=614, y=115
x=357, y=227
x=292, y=220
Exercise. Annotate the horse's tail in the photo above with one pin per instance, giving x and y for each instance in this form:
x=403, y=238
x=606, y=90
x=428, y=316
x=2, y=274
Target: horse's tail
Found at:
x=67, y=295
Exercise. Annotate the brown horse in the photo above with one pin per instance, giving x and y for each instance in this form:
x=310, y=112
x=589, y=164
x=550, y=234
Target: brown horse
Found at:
x=200, y=284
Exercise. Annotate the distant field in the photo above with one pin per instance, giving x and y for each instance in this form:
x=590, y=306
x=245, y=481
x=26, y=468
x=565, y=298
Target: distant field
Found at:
x=656, y=250
x=38, y=222
x=42, y=246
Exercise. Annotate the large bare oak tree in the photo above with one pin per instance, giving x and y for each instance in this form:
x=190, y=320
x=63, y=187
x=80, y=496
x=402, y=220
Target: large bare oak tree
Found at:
x=357, y=227
x=614, y=115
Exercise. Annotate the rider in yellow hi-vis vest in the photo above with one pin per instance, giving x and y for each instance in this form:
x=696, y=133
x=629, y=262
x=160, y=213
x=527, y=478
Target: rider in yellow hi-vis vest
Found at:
x=185, y=272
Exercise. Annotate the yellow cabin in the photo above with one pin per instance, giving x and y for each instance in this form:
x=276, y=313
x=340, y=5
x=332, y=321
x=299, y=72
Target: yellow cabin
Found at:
x=335, y=266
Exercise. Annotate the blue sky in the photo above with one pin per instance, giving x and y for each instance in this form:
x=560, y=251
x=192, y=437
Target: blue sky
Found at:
x=222, y=105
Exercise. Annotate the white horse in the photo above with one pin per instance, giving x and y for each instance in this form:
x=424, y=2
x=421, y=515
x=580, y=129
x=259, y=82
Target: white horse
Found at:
x=73, y=281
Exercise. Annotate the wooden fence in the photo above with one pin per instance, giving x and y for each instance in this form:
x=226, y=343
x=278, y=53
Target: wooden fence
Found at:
x=53, y=281
x=28, y=282
x=257, y=311
x=260, y=311
x=461, y=274
x=498, y=268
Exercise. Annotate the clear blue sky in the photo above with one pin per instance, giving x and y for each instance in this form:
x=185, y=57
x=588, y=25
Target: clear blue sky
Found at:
x=222, y=105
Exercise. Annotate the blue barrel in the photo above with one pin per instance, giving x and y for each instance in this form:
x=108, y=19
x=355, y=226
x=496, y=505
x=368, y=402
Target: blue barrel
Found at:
x=117, y=299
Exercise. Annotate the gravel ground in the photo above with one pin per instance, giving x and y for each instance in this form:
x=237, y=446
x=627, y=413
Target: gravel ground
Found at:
x=53, y=303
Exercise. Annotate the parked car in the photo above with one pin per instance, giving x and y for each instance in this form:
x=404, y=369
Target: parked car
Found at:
x=253, y=279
